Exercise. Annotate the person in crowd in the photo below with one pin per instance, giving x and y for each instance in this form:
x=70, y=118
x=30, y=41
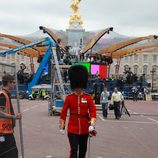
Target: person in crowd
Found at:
x=145, y=92
x=58, y=49
x=95, y=88
x=97, y=98
x=135, y=93
x=8, y=148
x=116, y=100
x=43, y=94
x=104, y=101
x=82, y=112
x=97, y=75
x=33, y=95
x=65, y=76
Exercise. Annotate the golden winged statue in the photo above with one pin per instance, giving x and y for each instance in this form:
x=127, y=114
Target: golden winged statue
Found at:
x=75, y=17
x=74, y=6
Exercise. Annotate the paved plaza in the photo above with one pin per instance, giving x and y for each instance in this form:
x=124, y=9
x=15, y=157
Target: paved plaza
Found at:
x=129, y=137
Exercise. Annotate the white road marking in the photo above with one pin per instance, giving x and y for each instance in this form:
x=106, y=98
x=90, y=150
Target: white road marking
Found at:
x=34, y=106
x=101, y=118
x=124, y=121
x=30, y=108
x=135, y=113
x=152, y=119
x=26, y=110
x=142, y=116
x=49, y=156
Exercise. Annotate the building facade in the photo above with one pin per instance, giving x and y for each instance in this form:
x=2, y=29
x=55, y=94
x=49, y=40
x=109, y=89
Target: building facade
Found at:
x=16, y=59
x=139, y=64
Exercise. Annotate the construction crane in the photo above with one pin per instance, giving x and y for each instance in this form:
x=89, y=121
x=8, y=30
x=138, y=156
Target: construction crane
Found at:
x=44, y=42
x=58, y=87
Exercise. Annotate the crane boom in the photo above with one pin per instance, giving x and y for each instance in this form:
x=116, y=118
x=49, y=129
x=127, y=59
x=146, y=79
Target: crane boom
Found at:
x=47, y=56
x=45, y=41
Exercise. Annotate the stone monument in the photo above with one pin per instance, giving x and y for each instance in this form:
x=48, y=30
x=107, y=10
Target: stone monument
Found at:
x=75, y=32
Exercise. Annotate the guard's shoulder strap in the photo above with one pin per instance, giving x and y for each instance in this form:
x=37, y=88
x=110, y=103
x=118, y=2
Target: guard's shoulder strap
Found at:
x=3, y=92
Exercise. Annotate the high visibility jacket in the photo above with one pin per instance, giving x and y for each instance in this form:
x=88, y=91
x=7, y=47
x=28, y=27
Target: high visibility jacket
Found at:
x=5, y=123
x=43, y=93
x=82, y=110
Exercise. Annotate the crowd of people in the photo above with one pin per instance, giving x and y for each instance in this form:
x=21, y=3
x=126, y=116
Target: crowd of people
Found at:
x=39, y=94
x=114, y=104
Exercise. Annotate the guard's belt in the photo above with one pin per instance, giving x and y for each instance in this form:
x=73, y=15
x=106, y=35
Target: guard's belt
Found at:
x=80, y=115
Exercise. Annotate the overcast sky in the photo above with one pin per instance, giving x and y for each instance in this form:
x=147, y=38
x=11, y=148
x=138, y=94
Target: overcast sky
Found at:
x=128, y=17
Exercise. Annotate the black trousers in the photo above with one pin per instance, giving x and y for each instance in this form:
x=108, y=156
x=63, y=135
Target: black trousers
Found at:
x=78, y=142
x=8, y=148
x=135, y=97
x=117, y=109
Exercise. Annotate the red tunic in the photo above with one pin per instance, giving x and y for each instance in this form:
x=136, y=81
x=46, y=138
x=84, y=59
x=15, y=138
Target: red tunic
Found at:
x=80, y=107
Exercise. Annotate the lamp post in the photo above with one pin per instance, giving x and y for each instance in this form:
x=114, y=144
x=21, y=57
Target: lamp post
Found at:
x=152, y=78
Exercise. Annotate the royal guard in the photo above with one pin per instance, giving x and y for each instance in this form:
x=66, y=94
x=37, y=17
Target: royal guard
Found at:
x=82, y=110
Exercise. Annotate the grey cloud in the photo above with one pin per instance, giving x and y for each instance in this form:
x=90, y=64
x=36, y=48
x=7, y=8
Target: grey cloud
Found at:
x=124, y=15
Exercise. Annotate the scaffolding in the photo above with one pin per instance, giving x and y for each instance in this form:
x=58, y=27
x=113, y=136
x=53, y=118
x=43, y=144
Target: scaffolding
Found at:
x=59, y=87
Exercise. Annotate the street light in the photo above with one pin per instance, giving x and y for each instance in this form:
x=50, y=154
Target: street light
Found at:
x=152, y=78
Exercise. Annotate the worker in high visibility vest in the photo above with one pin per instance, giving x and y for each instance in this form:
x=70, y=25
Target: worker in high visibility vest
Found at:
x=43, y=94
x=8, y=148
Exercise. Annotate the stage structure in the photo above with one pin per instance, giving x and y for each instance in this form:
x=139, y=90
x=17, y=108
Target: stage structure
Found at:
x=80, y=42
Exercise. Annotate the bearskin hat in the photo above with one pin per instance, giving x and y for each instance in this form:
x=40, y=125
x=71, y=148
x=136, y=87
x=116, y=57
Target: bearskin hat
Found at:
x=78, y=76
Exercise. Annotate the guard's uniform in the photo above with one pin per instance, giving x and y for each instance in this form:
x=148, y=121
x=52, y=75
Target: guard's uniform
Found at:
x=82, y=110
